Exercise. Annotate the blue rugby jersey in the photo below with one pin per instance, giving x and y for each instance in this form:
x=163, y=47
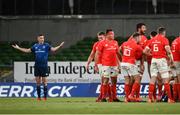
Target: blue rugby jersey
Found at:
x=41, y=52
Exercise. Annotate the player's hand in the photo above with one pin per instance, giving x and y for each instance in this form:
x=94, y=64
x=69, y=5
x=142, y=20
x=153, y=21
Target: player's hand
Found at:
x=62, y=43
x=96, y=68
x=87, y=67
x=15, y=46
x=142, y=68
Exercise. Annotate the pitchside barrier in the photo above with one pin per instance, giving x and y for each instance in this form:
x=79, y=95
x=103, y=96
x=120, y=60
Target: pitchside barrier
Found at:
x=66, y=79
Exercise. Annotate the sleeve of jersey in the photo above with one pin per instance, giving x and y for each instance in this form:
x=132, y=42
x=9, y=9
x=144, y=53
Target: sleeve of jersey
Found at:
x=100, y=47
x=33, y=48
x=49, y=47
x=166, y=42
x=94, y=47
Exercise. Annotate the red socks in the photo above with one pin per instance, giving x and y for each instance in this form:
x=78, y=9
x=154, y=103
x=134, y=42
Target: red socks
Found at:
x=151, y=90
x=178, y=88
x=175, y=91
x=104, y=91
x=134, y=88
x=168, y=90
x=138, y=91
x=159, y=89
x=127, y=90
x=113, y=91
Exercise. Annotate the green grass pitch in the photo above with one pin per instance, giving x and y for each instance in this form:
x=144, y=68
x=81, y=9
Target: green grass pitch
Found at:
x=82, y=106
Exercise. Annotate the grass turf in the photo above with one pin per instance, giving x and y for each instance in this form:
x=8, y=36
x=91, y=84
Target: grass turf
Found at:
x=82, y=106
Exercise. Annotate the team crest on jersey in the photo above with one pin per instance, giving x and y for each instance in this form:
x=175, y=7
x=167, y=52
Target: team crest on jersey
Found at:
x=106, y=45
x=43, y=47
x=36, y=47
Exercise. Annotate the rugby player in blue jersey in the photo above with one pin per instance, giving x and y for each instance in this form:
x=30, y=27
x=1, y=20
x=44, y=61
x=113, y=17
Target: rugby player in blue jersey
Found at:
x=41, y=51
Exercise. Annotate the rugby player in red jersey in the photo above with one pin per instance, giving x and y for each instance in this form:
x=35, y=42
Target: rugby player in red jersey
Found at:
x=108, y=49
x=101, y=36
x=160, y=49
x=175, y=48
x=129, y=70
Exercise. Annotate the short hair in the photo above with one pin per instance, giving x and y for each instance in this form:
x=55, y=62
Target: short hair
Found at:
x=101, y=33
x=40, y=35
x=153, y=33
x=139, y=25
x=108, y=30
x=161, y=30
x=136, y=34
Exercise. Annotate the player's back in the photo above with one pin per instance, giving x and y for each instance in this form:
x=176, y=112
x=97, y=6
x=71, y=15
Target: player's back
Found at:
x=157, y=46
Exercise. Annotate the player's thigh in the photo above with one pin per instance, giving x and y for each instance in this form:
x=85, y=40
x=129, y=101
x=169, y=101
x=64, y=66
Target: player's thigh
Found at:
x=133, y=71
x=100, y=70
x=124, y=71
x=153, y=68
x=177, y=65
x=114, y=71
x=44, y=72
x=106, y=71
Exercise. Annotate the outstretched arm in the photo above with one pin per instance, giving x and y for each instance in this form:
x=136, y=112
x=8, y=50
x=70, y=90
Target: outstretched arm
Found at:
x=26, y=50
x=53, y=49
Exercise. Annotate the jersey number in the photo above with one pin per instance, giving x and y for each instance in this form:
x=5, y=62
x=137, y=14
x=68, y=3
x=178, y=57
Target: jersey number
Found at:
x=127, y=52
x=155, y=48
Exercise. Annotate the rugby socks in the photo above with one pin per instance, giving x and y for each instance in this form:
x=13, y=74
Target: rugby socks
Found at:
x=178, y=87
x=175, y=91
x=151, y=90
x=109, y=91
x=45, y=90
x=159, y=90
x=138, y=91
x=127, y=90
x=38, y=91
x=168, y=90
x=113, y=90
x=134, y=88
x=154, y=93
x=104, y=91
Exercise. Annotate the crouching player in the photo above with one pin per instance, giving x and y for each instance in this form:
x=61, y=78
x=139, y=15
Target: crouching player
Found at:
x=108, y=49
x=129, y=50
x=41, y=52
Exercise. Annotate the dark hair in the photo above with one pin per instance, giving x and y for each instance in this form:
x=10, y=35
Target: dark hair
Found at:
x=40, y=35
x=161, y=30
x=153, y=33
x=139, y=25
x=108, y=30
x=101, y=33
x=135, y=35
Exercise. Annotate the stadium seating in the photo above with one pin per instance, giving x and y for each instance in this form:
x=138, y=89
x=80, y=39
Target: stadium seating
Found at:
x=77, y=52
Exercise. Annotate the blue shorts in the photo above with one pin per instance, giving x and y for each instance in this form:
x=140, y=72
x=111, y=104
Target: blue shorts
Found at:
x=41, y=71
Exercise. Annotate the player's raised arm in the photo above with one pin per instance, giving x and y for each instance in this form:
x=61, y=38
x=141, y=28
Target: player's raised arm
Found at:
x=53, y=49
x=26, y=50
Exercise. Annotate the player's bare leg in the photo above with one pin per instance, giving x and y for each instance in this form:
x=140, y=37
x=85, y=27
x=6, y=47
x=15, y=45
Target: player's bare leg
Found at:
x=38, y=83
x=127, y=88
x=44, y=81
